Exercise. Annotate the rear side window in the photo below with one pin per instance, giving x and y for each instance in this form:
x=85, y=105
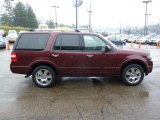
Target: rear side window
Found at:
x=32, y=42
x=67, y=42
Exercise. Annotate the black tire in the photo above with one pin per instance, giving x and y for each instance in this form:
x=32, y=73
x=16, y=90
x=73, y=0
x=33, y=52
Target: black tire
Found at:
x=43, y=76
x=132, y=74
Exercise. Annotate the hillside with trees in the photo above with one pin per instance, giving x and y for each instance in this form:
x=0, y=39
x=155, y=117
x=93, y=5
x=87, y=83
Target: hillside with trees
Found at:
x=21, y=15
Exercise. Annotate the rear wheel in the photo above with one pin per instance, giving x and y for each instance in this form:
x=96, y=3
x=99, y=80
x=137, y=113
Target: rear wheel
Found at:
x=43, y=76
x=132, y=75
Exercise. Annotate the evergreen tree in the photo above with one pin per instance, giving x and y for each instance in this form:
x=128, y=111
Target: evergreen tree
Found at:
x=50, y=23
x=31, y=18
x=7, y=15
x=20, y=15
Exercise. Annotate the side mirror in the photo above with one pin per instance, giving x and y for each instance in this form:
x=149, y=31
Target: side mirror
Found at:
x=107, y=48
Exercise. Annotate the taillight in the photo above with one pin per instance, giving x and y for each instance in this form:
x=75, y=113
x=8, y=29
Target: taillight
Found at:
x=13, y=57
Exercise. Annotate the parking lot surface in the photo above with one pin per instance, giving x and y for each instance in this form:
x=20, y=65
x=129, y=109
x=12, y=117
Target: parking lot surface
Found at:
x=79, y=98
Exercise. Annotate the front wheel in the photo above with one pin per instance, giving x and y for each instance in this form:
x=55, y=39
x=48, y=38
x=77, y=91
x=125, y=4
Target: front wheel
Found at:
x=132, y=75
x=43, y=76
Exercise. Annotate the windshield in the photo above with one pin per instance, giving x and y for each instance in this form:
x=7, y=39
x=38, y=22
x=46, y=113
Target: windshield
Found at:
x=12, y=34
x=12, y=31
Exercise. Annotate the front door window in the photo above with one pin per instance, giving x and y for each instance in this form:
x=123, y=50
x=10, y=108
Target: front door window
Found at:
x=93, y=43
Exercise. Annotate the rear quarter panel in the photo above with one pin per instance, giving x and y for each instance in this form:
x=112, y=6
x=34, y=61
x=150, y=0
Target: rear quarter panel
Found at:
x=27, y=58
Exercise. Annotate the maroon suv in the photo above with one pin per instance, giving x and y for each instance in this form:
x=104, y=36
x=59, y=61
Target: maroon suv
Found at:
x=48, y=55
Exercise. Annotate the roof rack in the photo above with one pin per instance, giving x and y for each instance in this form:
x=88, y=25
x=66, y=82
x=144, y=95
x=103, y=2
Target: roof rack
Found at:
x=77, y=30
x=53, y=30
x=32, y=30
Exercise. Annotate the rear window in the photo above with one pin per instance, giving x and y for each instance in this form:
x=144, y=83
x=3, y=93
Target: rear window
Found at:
x=67, y=42
x=32, y=42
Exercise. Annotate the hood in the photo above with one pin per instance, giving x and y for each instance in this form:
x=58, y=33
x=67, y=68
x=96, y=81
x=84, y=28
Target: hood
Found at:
x=137, y=51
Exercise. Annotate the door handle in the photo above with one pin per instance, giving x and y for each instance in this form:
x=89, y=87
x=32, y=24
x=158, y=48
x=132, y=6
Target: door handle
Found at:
x=55, y=55
x=90, y=56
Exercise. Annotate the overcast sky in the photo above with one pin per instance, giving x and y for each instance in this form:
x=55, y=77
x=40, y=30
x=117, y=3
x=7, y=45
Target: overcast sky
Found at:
x=106, y=13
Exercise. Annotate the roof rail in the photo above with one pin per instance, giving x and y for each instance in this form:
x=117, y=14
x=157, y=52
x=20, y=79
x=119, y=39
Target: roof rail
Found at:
x=77, y=30
x=54, y=30
x=51, y=30
x=32, y=30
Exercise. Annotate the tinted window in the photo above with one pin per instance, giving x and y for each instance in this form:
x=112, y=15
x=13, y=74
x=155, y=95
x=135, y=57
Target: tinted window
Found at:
x=67, y=42
x=32, y=41
x=93, y=43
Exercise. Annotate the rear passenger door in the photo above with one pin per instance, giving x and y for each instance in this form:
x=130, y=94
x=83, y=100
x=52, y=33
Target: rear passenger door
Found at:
x=66, y=54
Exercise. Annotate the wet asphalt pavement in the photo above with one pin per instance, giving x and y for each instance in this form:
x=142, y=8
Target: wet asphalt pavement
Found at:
x=79, y=98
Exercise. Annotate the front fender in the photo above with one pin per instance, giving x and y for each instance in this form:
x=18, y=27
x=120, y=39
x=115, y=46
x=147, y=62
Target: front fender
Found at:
x=132, y=59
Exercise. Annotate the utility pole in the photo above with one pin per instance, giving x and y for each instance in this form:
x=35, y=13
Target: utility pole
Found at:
x=76, y=16
x=90, y=11
x=146, y=17
x=76, y=4
x=56, y=15
x=11, y=13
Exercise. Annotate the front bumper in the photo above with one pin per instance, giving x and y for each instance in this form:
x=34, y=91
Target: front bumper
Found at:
x=149, y=67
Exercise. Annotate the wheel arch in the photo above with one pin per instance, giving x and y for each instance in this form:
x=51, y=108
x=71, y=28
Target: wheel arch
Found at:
x=142, y=64
x=42, y=64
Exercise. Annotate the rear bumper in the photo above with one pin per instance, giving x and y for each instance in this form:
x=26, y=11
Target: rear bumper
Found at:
x=19, y=69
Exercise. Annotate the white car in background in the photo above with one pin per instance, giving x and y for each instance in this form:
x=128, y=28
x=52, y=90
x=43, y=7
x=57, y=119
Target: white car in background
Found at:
x=2, y=32
x=133, y=39
x=2, y=42
x=12, y=35
x=142, y=40
x=124, y=38
x=154, y=41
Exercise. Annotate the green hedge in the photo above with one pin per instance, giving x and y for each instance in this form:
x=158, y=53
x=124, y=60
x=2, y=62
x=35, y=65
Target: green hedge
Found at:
x=6, y=28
